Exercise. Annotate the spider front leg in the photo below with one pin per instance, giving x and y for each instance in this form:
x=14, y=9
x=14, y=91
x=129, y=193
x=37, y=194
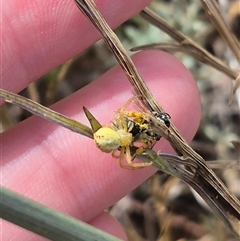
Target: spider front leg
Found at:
x=122, y=159
x=130, y=158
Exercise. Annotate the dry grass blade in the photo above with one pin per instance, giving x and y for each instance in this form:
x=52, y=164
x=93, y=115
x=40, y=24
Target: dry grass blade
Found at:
x=46, y=113
x=234, y=89
x=51, y=91
x=236, y=145
x=227, y=164
x=194, y=164
x=198, y=53
x=33, y=93
x=212, y=10
x=207, y=188
x=188, y=46
x=185, y=42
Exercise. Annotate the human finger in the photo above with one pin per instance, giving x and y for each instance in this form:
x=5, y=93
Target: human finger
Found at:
x=65, y=170
x=43, y=34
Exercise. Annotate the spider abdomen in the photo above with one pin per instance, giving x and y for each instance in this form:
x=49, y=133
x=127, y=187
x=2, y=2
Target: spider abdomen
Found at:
x=107, y=139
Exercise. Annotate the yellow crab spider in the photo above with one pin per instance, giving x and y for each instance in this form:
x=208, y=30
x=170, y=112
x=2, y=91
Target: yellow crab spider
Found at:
x=113, y=139
x=128, y=128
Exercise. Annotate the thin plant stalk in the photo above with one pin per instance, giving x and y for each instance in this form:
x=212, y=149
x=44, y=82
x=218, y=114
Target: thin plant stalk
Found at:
x=46, y=113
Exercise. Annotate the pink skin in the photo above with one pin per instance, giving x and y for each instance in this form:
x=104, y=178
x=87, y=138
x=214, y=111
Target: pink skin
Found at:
x=51, y=164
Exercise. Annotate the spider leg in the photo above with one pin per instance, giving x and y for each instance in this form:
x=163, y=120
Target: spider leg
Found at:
x=121, y=160
x=121, y=156
x=133, y=165
x=114, y=155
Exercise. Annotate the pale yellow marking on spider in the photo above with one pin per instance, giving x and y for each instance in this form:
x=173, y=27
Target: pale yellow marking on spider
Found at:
x=118, y=137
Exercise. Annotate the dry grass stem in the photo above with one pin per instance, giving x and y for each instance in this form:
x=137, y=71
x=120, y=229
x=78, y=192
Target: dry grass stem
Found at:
x=212, y=10
x=185, y=44
x=46, y=113
x=234, y=89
